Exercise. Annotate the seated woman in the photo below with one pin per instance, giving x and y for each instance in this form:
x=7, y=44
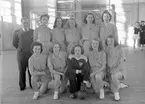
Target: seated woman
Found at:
x=78, y=70
x=97, y=60
x=57, y=66
x=38, y=69
x=115, y=61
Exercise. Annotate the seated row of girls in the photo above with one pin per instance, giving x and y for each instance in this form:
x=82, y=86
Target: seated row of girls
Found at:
x=76, y=65
x=43, y=69
x=111, y=58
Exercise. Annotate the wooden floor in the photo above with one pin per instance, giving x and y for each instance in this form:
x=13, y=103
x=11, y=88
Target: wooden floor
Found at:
x=10, y=94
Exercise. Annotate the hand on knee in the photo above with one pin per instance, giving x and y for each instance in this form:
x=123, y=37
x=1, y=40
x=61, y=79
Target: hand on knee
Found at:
x=88, y=84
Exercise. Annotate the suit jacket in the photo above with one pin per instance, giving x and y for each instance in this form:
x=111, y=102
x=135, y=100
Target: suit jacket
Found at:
x=22, y=40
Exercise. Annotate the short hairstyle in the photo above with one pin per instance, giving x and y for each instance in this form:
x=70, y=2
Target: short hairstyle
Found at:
x=142, y=21
x=36, y=44
x=23, y=18
x=55, y=22
x=137, y=22
x=73, y=49
x=112, y=37
x=85, y=18
x=44, y=15
x=100, y=48
x=106, y=12
x=51, y=49
x=75, y=22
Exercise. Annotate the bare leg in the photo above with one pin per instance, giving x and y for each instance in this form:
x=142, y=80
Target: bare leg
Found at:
x=57, y=82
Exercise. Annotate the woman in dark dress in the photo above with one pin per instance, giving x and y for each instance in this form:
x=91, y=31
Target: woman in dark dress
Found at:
x=78, y=70
x=142, y=35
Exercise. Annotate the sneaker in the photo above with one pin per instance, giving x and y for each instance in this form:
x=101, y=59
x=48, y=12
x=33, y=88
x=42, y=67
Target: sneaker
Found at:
x=55, y=97
x=101, y=93
x=117, y=97
x=122, y=85
x=36, y=95
x=73, y=96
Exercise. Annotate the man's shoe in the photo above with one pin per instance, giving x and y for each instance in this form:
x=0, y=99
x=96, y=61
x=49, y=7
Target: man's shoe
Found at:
x=22, y=89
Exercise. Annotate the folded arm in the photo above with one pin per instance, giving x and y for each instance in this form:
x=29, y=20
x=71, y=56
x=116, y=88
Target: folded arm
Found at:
x=33, y=71
x=50, y=66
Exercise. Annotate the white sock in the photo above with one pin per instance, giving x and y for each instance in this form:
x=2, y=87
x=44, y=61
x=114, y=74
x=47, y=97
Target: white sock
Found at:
x=101, y=93
x=116, y=95
x=55, y=97
x=36, y=95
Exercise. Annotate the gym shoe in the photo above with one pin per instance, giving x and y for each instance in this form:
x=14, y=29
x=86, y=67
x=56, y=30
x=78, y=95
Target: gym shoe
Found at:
x=122, y=85
x=101, y=93
x=73, y=96
x=55, y=97
x=117, y=97
x=36, y=95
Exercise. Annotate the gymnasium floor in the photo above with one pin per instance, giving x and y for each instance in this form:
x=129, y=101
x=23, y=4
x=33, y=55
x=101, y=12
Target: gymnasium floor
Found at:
x=10, y=94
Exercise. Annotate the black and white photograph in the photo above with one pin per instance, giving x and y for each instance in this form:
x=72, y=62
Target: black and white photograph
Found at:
x=72, y=51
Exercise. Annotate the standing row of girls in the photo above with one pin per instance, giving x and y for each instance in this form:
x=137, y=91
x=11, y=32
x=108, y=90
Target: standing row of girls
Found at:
x=81, y=55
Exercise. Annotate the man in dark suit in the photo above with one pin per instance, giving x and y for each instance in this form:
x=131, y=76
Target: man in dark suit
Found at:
x=22, y=41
